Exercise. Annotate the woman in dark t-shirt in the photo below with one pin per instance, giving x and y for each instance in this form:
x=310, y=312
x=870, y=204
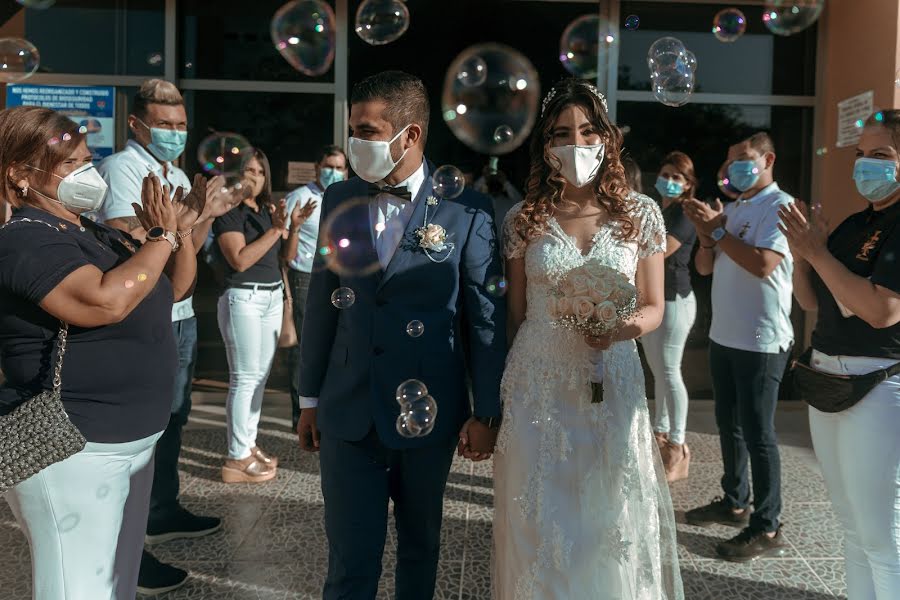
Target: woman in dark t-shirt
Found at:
x=250, y=237
x=852, y=278
x=664, y=347
x=115, y=296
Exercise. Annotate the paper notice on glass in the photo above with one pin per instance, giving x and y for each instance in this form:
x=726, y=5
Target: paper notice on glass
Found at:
x=852, y=113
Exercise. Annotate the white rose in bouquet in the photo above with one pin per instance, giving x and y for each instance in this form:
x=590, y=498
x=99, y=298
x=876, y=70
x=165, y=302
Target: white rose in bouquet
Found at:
x=606, y=314
x=583, y=308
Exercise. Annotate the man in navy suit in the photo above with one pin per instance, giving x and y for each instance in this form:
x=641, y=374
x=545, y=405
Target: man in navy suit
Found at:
x=372, y=241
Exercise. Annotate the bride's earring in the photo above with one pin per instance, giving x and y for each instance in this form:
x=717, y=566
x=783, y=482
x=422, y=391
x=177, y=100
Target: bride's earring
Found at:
x=24, y=191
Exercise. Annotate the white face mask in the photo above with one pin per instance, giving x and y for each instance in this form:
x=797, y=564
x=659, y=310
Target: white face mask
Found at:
x=82, y=190
x=372, y=160
x=579, y=164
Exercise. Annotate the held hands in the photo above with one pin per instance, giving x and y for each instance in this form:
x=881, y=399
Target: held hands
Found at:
x=300, y=215
x=155, y=208
x=806, y=237
x=476, y=440
x=705, y=218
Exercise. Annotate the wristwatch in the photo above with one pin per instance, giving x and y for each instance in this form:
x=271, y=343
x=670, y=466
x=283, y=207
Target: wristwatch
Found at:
x=157, y=234
x=491, y=422
x=718, y=233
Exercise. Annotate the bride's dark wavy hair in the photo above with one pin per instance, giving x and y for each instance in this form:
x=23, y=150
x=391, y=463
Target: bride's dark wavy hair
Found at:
x=545, y=184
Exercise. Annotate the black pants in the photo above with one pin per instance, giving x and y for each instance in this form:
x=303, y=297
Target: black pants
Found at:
x=745, y=388
x=299, y=283
x=166, y=486
x=357, y=480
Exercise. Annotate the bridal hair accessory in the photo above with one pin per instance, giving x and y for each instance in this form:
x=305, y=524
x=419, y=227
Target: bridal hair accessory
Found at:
x=433, y=237
x=590, y=87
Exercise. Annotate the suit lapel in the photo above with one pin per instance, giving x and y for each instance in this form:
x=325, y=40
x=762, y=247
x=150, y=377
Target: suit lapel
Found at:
x=409, y=243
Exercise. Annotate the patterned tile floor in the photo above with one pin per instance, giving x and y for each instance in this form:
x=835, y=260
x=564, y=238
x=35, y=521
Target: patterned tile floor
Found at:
x=273, y=543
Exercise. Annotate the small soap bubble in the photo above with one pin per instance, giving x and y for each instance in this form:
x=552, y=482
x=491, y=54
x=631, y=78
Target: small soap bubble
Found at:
x=415, y=329
x=409, y=390
x=129, y=284
x=473, y=71
x=381, y=21
x=224, y=154
x=821, y=151
x=154, y=59
x=496, y=286
x=404, y=427
x=343, y=297
x=448, y=182
x=632, y=22
x=68, y=523
x=142, y=277
x=729, y=24
x=421, y=415
x=786, y=17
x=66, y=137
x=765, y=335
x=503, y=134
x=83, y=129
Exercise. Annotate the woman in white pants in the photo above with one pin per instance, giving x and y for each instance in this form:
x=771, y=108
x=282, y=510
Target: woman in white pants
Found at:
x=852, y=278
x=664, y=347
x=251, y=239
x=85, y=516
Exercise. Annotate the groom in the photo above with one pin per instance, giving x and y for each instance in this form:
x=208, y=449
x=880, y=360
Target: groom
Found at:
x=353, y=359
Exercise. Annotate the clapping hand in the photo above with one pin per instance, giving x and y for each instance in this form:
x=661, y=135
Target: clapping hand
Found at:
x=279, y=216
x=220, y=199
x=155, y=209
x=705, y=218
x=806, y=237
x=300, y=214
x=189, y=209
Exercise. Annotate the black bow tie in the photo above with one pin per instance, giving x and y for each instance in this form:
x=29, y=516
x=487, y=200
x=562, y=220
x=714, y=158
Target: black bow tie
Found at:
x=401, y=192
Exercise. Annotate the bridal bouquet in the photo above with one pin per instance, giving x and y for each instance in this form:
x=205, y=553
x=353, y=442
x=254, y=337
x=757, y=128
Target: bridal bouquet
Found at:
x=593, y=300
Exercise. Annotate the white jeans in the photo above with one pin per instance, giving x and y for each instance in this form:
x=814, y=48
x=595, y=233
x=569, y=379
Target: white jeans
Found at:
x=859, y=450
x=85, y=520
x=250, y=322
x=664, y=349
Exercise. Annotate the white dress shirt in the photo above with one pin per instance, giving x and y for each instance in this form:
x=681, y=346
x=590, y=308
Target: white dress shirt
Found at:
x=389, y=217
x=309, y=231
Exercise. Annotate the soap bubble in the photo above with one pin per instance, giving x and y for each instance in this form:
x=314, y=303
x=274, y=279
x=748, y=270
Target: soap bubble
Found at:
x=404, y=428
x=503, y=134
x=765, y=335
x=448, y=182
x=69, y=522
x=37, y=4
x=420, y=415
x=347, y=235
x=671, y=76
x=821, y=151
x=508, y=97
x=785, y=17
x=343, y=297
x=729, y=24
x=409, y=390
x=223, y=153
x=583, y=44
x=664, y=53
x=381, y=21
x=690, y=60
x=154, y=59
x=415, y=329
x=472, y=72
x=632, y=22
x=496, y=286
x=19, y=59
x=303, y=31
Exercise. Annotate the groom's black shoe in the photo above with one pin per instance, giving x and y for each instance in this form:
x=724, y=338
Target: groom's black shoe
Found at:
x=717, y=511
x=749, y=545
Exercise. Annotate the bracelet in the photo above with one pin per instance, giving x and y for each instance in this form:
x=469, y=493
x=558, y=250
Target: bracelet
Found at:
x=181, y=235
x=707, y=247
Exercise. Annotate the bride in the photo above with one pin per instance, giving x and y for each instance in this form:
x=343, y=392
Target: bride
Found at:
x=582, y=508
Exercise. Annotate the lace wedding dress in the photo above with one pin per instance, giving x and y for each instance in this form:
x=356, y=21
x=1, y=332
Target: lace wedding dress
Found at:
x=582, y=509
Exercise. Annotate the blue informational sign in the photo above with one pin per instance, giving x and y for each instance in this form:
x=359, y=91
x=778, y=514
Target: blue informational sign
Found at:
x=90, y=106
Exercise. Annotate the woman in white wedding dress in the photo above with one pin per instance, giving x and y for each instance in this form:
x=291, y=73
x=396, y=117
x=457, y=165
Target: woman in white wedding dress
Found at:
x=582, y=510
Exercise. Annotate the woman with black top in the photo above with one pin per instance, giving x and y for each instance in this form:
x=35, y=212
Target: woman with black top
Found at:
x=85, y=516
x=664, y=347
x=250, y=237
x=852, y=278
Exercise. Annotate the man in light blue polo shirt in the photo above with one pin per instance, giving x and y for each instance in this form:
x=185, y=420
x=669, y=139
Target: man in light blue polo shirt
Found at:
x=158, y=123
x=750, y=340
x=331, y=167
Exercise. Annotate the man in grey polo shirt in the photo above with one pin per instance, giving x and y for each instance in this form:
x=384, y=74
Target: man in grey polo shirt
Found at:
x=750, y=339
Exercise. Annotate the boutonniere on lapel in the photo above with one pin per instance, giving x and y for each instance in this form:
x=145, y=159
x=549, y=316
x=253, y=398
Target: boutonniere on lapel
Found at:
x=432, y=237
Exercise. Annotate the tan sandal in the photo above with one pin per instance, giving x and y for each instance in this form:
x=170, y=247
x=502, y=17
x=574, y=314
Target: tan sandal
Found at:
x=677, y=461
x=247, y=470
x=661, y=439
x=264, y=457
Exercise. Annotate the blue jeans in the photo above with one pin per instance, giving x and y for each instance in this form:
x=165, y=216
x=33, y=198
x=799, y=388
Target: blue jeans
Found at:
x=299, y=283
x=745, y=389
x=166, y=487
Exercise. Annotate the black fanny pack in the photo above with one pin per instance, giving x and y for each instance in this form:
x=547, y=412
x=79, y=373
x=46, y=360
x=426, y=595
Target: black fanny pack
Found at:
x=834, y=393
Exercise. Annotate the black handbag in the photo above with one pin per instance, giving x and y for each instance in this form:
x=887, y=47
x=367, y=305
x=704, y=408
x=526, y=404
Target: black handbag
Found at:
x=834, y=393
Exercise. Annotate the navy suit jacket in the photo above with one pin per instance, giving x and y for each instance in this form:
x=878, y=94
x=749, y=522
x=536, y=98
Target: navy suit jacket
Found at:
x=353, y=359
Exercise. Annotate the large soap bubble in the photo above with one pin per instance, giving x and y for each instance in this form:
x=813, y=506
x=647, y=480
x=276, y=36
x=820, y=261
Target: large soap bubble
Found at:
x=19, y=59
x=381, y=21
x=584, y=44
x=672, y=69
x=448, y=182
x=508, y=97
x=729, y=24
x=303, y=32
x=347, y=236
x=224, y=154
x=784, y=17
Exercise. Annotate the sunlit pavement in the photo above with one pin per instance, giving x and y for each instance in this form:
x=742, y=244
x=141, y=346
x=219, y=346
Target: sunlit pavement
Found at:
x=273, y=542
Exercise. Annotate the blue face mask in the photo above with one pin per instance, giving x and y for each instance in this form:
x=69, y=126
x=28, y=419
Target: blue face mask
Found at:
x=166, y=144
x=328, y=175
x=743, y=174
x=669, y=188
x=876, y=179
